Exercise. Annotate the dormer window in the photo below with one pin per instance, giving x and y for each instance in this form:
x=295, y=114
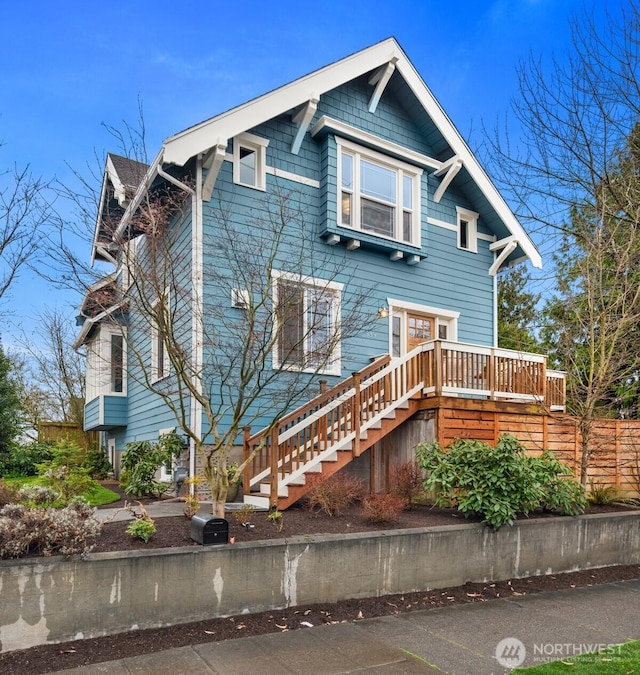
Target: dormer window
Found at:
x=249, y=161
x=467, y=230
x=378, y=195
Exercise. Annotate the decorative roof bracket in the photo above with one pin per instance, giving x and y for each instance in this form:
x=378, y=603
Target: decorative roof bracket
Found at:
x=508, y=246
x=213, y=161
x=381, y=78
x=303, y=119
x=450, y=170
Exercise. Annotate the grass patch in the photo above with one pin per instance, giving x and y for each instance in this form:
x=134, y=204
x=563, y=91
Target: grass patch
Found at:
x=98, y=497
x=624, y=658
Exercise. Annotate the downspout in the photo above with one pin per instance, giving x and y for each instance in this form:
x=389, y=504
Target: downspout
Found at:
x=196, y=307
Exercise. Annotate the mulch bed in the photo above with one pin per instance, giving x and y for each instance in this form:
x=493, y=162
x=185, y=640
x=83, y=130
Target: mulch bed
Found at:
x=175, y=531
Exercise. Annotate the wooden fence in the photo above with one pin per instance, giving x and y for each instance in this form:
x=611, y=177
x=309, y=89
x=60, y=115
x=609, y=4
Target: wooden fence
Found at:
x=614, y=444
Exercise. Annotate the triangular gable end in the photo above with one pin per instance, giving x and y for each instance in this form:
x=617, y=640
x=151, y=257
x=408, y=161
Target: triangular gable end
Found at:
x=301, y=96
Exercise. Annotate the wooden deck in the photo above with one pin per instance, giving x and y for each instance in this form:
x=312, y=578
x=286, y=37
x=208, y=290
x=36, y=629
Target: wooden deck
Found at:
x=340, y=424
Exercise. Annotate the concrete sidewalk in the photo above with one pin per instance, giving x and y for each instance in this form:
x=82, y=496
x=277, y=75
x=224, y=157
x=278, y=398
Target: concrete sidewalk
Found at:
x=474, y=639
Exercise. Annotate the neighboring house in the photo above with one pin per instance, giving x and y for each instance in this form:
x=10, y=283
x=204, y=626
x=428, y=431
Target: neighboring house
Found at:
x=397, y=213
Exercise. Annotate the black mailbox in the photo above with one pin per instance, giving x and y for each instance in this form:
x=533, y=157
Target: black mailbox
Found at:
x=207, y=530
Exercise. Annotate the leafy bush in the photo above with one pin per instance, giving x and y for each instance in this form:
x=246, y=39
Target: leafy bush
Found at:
x=383, y=508
x=406, y=482
x=143, y=528
x=65, y=531
x=23, y=460
x=141, y=461
x=498, y=483
x=65, y=472
x=97, y=463
x=601, y=494
x=333, y=494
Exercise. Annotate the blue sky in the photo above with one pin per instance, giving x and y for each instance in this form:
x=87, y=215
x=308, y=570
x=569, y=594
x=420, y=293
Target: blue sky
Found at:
x=67, y=67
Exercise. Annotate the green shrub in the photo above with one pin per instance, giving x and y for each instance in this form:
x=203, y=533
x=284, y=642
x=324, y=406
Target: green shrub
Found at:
x=383, y=508
x=143, y=528
x=23, y=460
x=66, y=473
x=333, y=494
x=601, y=494
x=141, y=461
x=97, y=463
x=498, y=484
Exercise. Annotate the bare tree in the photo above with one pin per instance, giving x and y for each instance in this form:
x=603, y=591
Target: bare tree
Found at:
x=23, y=212
x=252, y=345
x=55, y=381
x=573, y=177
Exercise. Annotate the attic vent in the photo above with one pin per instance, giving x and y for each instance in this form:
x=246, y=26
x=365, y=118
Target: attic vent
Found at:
x=239, y=298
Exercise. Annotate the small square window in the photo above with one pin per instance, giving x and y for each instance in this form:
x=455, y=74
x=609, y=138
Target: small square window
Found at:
x=249, y=161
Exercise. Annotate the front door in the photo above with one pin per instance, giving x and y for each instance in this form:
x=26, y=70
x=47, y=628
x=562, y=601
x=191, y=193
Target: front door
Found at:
x=420, y=329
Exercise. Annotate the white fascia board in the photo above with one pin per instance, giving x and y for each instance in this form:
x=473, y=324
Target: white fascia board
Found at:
x=460, y=148
x=152, y=172
x=87, y=325
x=181, y=147
x=103, y=192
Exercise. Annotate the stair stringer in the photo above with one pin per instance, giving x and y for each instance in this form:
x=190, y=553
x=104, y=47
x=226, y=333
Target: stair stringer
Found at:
x=339, y=455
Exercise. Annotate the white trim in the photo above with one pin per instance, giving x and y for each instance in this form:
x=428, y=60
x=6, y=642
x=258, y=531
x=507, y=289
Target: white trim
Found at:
x=287, y=175
x=401, y=169
x=471, y=219
x=179, y=148
x=156, y=337
x=386, y=148
x=333, y=365
x=423, y=309
x=441, y=317
x=258, y=145
x=442, y=223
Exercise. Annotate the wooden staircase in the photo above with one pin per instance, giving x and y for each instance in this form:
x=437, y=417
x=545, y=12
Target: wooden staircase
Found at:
x=330, y=431
x=324, y=435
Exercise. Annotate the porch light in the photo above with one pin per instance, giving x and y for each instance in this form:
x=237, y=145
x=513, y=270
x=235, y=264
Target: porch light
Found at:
x=383, y=312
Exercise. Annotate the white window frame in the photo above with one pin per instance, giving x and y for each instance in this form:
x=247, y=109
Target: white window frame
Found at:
x=98, y=372
x=332, y=367
x=166, y=475
x=471, y=220
x=156, y=374
x=259, y=146
x=443, y=318
x=401, y=170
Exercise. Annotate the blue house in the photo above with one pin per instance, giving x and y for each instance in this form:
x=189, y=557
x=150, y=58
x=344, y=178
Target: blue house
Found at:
x=340, y=234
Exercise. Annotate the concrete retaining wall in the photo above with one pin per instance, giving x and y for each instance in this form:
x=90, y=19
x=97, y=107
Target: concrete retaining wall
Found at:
x=54, y=600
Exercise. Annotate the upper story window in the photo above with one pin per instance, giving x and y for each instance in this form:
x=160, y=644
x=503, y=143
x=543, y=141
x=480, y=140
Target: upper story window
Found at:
x=250, y=161
x=467, y=230
x=159, y=330
x=308, y=315
x=378, y=194
x=106, y=362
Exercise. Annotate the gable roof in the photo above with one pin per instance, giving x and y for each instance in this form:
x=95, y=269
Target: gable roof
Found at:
x=122, y=177
x=386, y=57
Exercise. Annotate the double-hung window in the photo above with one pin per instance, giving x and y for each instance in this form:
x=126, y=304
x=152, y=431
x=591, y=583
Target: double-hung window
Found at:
x=378, y=195
x=307, y=316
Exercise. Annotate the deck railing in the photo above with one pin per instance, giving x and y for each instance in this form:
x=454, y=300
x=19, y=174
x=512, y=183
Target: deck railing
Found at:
x=337, y=417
